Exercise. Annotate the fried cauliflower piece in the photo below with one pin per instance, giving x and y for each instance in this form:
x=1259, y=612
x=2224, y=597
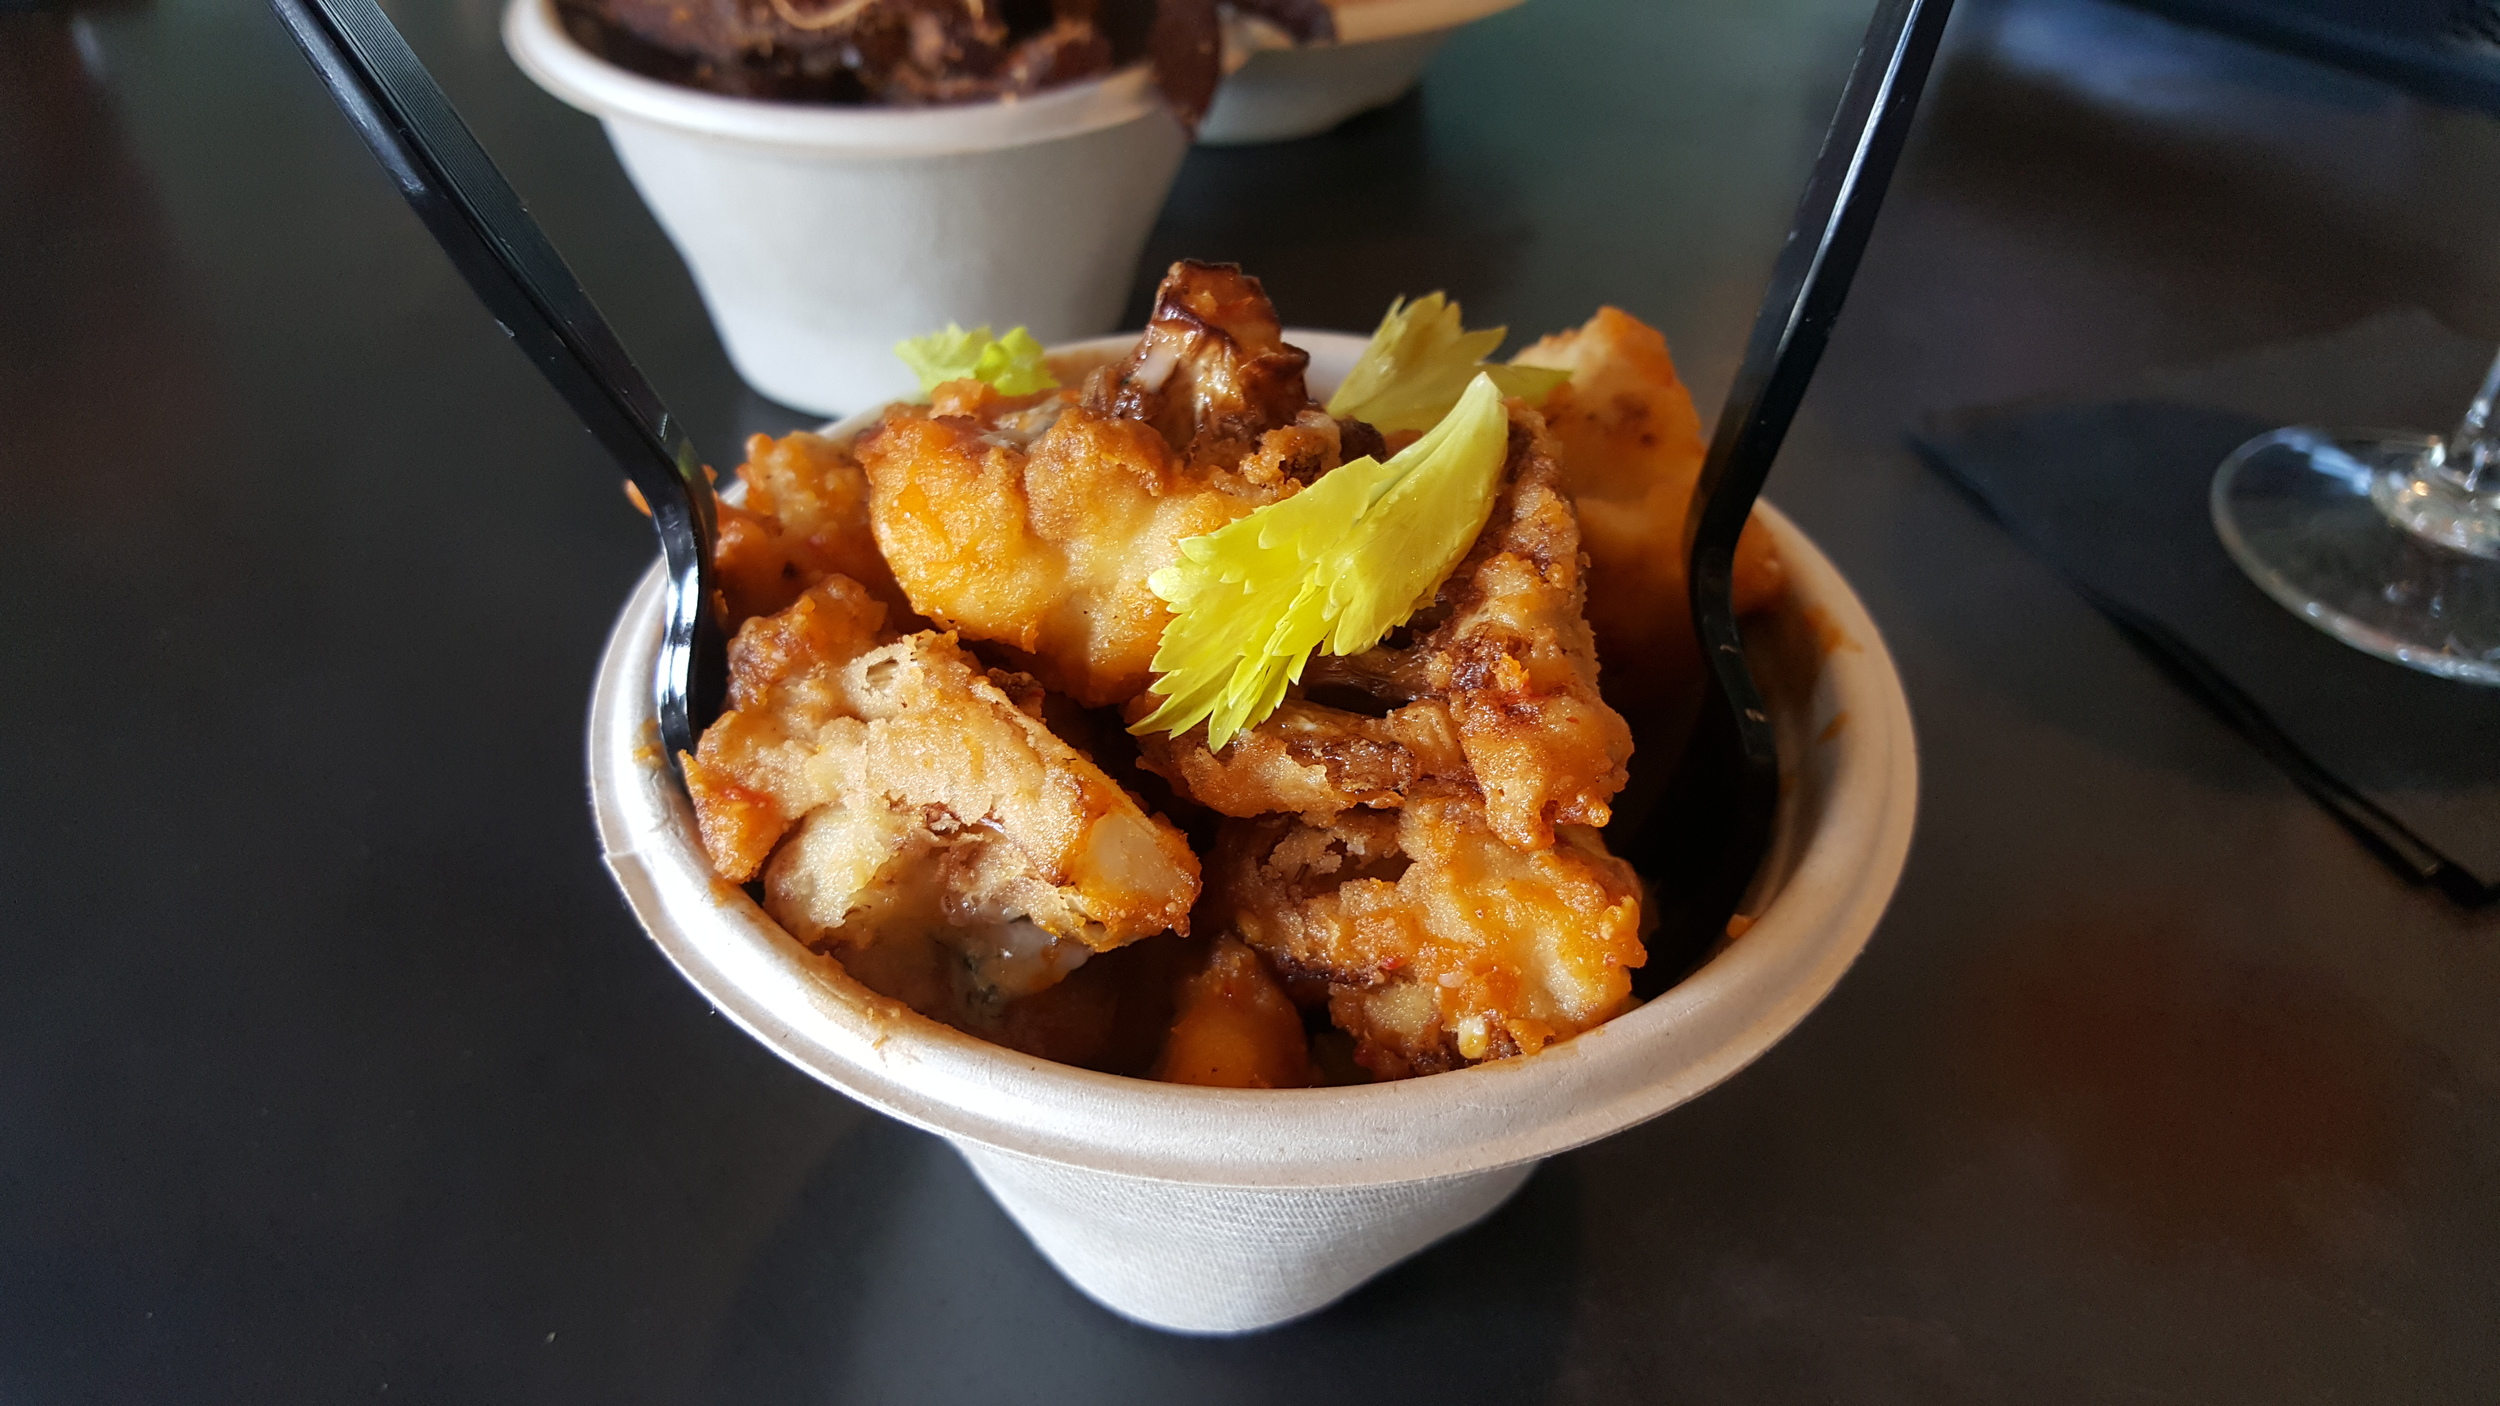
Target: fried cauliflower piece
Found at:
x=1034, y=523
x=1310, y=759
x=1212, y=373
x=1235, y=1028
x=1495, y=691
x=1046, y=551
x=910, y=813
x=805, y=518
x=1631, y=448
x=1437, y=944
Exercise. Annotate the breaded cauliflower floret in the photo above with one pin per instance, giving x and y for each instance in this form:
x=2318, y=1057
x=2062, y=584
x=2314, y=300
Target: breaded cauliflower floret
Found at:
x=910, y=812
x=805, y=518
x=1631, y=448
x=1046, y=549
x=1308, y=758
x=1035, y=523
x=1233, y=1027
x=1436, y=943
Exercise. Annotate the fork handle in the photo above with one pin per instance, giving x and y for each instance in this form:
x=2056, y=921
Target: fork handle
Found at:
x=1835, y=217
x=473, y=213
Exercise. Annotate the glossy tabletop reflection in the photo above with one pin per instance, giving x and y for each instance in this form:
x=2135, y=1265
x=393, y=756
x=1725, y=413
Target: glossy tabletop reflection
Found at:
x=333, y=1068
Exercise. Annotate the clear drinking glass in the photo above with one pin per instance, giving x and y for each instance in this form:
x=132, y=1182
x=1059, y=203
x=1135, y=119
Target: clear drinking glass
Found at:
x=2388, y=540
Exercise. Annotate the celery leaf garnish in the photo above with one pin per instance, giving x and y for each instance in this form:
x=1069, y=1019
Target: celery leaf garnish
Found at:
x=1013, y=364
x=1419, y=362
x=1335, y=566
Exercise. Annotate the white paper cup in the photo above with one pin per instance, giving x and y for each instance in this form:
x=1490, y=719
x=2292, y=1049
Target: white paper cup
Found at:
x=1281, y=90
x=1226, y=1210
x=820, y=236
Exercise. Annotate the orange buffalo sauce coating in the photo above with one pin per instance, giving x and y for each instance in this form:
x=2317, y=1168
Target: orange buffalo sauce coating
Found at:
x=1234, y=1027
x=1632, y=448
x=805, y=518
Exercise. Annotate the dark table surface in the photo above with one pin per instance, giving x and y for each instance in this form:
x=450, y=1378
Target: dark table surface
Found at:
x=333, y=1068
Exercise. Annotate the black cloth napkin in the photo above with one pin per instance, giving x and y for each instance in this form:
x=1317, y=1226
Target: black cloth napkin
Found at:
x=2111, y=491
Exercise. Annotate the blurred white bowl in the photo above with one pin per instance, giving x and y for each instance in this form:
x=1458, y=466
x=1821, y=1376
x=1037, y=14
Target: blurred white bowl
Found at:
x=1280, y=91
x=1228, y=1210
x=820, y=236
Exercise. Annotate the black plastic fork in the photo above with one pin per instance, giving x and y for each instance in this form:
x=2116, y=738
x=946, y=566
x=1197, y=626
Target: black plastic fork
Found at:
x=1713, y=826
x=491, y=238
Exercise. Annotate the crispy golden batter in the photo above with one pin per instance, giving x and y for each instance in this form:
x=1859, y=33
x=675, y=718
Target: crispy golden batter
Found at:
x=1311, y=759
x=1034, y=524
x=1437, y=943
x=805, y=518
x=1235, y=1027
x=1631, y=448
x=1502, y=674
x=1045, y=551
x=918, y=817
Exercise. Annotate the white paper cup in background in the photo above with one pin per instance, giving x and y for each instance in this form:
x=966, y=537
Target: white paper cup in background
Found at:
x=1228, y=1210
x=1277, y=91
x=822, y=235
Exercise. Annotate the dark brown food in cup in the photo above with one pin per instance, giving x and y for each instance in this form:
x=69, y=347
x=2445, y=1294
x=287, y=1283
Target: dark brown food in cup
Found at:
x=913, y=52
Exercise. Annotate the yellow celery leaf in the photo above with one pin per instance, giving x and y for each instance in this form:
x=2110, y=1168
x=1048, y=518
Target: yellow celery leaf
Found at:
x=1336, y=566
x=1013, y=363
x=1420, y=360
x=939, y=357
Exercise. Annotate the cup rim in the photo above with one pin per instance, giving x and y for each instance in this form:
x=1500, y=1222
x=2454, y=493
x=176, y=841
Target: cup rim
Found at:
x=540, y=47
x=1363, y=21
x=1689, y=1039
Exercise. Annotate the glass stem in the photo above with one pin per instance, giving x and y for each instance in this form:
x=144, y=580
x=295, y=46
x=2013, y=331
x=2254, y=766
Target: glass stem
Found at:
x=2470, y=453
